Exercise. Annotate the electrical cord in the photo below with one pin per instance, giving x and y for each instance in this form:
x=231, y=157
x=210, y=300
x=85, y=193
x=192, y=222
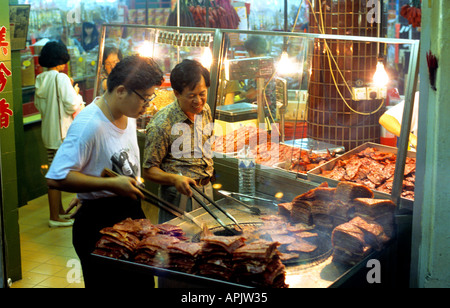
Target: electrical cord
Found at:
x=330, y=56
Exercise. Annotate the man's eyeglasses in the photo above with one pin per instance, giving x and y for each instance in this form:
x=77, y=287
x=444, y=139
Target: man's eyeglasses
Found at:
x=146, y=100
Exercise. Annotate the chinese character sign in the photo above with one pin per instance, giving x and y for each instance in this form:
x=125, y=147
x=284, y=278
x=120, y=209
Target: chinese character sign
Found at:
x=5, y=111
x=4, y=72
x=3, y=43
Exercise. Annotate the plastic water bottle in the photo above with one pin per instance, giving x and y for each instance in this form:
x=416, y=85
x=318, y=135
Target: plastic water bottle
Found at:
x=246, y=170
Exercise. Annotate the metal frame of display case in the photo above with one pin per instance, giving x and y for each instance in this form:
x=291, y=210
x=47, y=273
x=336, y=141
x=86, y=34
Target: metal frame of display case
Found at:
x=271, y=181
x=214, y=33
x=218, y=52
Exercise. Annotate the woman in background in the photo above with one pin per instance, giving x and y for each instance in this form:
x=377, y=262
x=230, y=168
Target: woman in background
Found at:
x=57, y=100
x=89, y=39
x=111, y=56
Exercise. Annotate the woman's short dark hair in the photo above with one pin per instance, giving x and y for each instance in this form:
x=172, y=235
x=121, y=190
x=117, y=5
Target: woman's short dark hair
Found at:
x=135, y=73
x=90, y=25
x=54, y=53
x=188, y=74
x=110, y=49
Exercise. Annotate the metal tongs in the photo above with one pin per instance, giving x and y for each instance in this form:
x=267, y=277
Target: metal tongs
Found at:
x=250, y=197
x=232, y=231
x=154, y=199
x=253, y=209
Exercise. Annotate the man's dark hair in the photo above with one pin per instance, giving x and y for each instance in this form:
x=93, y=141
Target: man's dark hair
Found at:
x=188, y=74
x=135, y=73
x=256, y=44
x=53, y=53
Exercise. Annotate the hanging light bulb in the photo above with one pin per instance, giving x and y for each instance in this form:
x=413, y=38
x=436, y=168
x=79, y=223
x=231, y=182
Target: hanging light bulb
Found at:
x=283, y=64
x=206, y=58
x=145, y=50
x=287, y=66
x=380, y=78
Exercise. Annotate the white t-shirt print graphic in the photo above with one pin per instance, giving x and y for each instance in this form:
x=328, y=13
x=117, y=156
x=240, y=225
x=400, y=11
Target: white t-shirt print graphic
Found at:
x=125, y=164
x=94, y=143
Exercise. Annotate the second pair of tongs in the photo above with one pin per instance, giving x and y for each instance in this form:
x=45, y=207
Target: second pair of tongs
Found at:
x=253, y=209
x=231, y=230
x=152, y=198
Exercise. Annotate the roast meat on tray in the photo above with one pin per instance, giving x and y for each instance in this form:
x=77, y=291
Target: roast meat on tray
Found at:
x=355, y=222
x=221, y=257
x=269, y=153
x=358, y=223
x=375, y=169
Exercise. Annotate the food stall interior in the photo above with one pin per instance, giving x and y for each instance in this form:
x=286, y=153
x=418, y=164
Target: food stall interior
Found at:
x=306, y=109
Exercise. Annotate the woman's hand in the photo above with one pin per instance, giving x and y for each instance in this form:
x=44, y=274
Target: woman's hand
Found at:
x=74, y=203
x=76, y=88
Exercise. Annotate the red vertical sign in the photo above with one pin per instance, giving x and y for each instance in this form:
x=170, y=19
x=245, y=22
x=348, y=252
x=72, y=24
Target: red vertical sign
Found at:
x=5, y=111
x=3, y=42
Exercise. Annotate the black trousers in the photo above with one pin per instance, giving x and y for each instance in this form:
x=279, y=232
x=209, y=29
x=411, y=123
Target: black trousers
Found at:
x=93, y=216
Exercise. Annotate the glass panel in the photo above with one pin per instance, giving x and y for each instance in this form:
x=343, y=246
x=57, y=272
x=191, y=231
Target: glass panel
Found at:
x=313, y=97
x=297, y=100
x=262, y=96
x=167, y=46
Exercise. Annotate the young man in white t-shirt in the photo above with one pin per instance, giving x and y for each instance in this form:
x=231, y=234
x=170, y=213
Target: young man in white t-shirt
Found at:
x=102, y=136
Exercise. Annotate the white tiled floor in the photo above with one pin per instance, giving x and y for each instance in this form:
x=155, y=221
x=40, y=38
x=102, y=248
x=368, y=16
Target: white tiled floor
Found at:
x=45, y=251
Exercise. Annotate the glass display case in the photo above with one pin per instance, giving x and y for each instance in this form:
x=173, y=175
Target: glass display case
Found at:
x=315, y=98
x=167, y=45
x=297, y=100
x=306, y=108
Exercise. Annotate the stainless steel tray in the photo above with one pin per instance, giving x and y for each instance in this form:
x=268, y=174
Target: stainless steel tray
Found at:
x=315, y=174
x=282, y=165
x=315, y=146
x=237, y=109
x=237, y=112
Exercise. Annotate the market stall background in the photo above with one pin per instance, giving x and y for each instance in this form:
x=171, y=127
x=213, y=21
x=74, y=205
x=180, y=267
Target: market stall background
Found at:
x=399, y=29
x=180, y=43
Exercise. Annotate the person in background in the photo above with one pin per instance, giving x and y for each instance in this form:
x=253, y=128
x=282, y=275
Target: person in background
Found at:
x=102, y=136
x=90, y=36
x=111, y=56
x=391, y=120
x=57, y=100
x=256, y=46
x=189, y=118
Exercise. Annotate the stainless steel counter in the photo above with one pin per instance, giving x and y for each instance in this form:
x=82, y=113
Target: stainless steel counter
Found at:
x=318, y=274
x=269, y=182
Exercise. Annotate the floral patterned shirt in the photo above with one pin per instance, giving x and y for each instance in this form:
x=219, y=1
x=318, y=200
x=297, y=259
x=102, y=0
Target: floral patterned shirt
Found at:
x=177, y=145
